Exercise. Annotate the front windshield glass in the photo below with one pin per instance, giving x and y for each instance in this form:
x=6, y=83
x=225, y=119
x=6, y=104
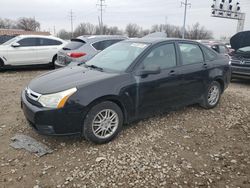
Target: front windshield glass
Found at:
x=10, y=41
x=119, y=56
x=245, y=49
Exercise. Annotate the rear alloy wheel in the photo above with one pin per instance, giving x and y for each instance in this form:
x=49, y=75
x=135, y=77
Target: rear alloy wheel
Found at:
x=103, y=122
x=212, y=96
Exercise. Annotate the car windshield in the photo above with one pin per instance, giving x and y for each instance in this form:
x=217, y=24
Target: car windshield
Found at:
x=244, y=50
x=119, y=56
x=10, y=41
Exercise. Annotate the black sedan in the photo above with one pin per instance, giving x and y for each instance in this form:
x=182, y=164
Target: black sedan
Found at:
x=130, y=80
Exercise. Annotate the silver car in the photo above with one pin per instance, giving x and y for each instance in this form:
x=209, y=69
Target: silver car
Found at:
x=82, y=49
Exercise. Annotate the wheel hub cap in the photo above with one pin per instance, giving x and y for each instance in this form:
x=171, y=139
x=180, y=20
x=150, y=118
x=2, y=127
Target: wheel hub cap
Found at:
x=213, y=95
x=105, y=123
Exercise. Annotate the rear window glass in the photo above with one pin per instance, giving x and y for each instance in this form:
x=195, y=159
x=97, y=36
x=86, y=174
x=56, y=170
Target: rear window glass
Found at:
x=209, y=54
x=104, y=44
x=74, y=44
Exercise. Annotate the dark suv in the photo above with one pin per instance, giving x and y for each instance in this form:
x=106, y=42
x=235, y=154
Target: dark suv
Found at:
x=240, y=59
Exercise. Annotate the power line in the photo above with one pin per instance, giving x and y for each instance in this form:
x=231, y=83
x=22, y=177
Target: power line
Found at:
x=101, y=6
x=186, y=4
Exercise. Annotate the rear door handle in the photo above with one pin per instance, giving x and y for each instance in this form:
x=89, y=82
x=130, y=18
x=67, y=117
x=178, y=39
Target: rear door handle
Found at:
x=172, y=73
x=205, y=65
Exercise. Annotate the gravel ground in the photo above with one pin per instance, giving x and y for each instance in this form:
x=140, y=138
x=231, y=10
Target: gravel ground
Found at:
x=191, y=147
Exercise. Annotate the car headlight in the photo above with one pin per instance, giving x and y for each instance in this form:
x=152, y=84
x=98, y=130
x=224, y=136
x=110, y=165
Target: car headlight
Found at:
x=56, y=100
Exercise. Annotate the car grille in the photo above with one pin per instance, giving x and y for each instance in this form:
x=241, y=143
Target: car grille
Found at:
x=32, y=97
x=241, y=62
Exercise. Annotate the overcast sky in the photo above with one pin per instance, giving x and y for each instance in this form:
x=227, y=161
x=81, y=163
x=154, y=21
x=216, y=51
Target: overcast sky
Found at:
x=52, y=13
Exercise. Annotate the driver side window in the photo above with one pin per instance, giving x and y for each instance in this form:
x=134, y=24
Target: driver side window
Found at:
x=163, y=56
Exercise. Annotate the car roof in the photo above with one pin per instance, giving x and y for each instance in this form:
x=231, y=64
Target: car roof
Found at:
x=95, y=38
x=154, y=40
x=40, y=36
x=210, y=42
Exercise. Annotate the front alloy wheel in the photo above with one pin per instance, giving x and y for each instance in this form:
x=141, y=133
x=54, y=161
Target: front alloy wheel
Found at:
x=103, y=122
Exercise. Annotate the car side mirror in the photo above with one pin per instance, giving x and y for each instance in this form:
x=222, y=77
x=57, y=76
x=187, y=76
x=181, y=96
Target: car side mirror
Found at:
x=148, y=70
x=16, y=44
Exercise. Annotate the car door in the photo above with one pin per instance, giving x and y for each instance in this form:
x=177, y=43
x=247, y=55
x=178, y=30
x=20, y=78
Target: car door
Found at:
x=158, y=92
x=25, y=54
x=46, y=50
x=194, y=71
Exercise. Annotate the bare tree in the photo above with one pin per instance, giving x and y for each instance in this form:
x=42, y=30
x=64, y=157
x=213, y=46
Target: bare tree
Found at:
x=63, y=34
x=84, y=29
x=144, y=32
x=198, y=32
x=114, y=30
x=28, y=24
x=7, y=24
x=133, y=30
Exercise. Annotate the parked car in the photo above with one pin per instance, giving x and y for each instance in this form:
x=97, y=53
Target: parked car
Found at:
x=30, y=50
x=83, y=48
x=217, y=46
x=240, y=59
x=130, y=80
x=5, y=38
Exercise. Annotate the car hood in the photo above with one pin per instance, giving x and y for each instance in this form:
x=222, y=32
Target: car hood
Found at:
x=240, y=40
x=66, y=78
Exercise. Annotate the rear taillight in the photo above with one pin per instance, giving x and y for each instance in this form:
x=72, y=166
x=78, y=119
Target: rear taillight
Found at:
x=76, y=54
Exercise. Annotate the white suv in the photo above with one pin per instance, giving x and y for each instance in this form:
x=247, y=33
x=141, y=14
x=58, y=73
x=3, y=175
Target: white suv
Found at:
x=30, y=50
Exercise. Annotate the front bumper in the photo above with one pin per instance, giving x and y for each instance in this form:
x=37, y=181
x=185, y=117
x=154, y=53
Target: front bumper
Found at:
x=64, y=121
x=240, y=71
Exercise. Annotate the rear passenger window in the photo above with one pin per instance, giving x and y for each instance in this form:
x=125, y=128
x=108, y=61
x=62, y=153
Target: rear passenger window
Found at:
x=28, y=42
x=49, y=42
x=190, y=53
x=163, y=56
x=209, y=54
x=104, y=44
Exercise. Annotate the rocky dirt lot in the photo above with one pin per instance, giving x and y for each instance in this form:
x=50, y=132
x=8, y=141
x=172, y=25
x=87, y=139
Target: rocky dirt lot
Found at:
x=191, y=147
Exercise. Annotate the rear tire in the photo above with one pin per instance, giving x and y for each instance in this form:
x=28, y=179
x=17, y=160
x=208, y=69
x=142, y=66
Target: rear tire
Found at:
x=52, y=64
x=212, y=95
x=103, y=122
x=1, y=64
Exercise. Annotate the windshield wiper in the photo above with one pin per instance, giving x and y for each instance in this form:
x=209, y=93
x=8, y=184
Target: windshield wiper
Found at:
x=94, y=67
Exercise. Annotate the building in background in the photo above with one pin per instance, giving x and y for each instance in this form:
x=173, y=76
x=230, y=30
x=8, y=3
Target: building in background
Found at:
x=7, y=34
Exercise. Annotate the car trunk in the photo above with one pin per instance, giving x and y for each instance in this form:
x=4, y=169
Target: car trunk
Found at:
x=63, y=55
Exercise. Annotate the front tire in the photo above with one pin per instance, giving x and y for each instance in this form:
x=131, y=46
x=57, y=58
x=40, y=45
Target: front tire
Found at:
x=212, y=95
x=103, y=122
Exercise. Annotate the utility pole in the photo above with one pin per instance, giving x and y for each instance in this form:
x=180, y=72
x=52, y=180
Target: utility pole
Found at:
x=71, y=21
x=101, y=6
x=185, y=16
x=54, y=30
